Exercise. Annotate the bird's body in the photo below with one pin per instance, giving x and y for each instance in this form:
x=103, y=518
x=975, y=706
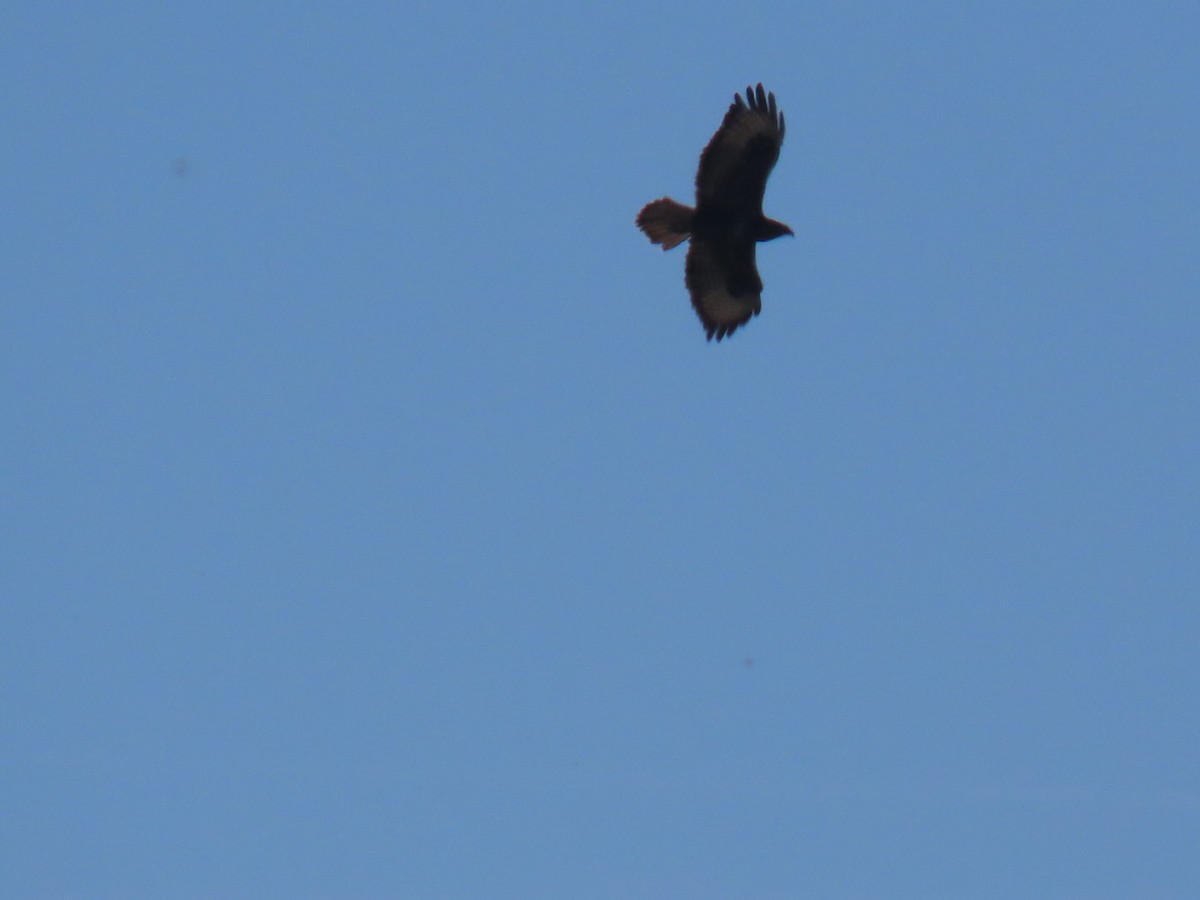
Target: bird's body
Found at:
x=727, y=221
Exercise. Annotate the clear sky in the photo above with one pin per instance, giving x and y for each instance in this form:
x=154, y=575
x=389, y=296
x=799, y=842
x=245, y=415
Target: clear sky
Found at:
x=375, y=520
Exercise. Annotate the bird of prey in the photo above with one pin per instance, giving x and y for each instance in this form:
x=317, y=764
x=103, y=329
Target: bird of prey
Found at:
x=727, y=219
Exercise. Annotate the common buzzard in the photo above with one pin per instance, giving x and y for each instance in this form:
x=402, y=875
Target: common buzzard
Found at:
x=728, y=219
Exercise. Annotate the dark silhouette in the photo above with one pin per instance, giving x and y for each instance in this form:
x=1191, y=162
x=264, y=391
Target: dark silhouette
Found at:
x=728, y=219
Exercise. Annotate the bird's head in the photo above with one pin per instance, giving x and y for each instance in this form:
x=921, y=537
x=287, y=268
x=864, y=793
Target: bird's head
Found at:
x=772, y=229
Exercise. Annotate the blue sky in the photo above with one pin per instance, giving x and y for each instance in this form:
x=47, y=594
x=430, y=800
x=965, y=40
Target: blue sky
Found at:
x=376, y=521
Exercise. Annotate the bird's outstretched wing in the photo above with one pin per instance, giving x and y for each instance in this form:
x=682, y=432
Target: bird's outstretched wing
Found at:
x=723, y=281
x=738, y=159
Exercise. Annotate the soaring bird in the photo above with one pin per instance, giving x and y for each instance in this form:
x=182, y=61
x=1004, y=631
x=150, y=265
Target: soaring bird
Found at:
x=727, y=219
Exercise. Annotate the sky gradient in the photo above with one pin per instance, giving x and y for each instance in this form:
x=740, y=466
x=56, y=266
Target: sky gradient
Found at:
x=375, y=520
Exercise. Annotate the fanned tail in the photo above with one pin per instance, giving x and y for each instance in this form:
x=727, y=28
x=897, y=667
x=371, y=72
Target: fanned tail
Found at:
x=666, y=222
